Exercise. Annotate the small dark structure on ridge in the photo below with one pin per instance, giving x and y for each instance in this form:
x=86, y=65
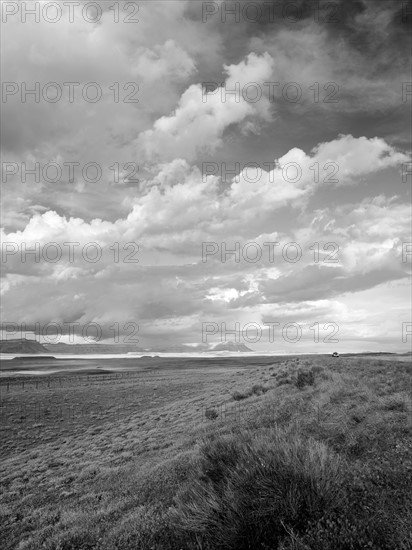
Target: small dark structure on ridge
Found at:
x=335, y=354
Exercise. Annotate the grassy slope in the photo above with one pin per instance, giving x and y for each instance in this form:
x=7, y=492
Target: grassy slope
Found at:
x=291, y=461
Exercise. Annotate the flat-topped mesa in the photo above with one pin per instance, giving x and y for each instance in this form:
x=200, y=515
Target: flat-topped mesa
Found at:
x=22, y=345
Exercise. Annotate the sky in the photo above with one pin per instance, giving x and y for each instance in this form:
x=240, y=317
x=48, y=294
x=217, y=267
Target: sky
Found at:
x=164, y=143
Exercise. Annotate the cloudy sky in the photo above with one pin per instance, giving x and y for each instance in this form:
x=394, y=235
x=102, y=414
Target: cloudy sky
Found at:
x=158, y=156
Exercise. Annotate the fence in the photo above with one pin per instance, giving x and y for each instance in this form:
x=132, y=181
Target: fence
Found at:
x=26, y=383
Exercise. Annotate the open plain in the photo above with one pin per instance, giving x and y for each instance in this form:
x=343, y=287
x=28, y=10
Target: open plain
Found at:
x=308, y=452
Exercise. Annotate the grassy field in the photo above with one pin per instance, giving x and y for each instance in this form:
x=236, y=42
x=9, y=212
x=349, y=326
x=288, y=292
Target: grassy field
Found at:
x=271, y=453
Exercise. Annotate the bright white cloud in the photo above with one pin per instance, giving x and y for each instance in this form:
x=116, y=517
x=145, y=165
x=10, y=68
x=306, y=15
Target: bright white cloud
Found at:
x=201, y=118
x=174, y=209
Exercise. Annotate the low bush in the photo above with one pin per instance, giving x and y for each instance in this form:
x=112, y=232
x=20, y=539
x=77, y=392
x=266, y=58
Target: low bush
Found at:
x=238, y=396
x=257, y=389
x=249, y=491
x=211, y=414
x=305, y=378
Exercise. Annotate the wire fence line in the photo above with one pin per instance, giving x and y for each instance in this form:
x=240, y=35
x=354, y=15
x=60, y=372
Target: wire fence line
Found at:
x=31, y=383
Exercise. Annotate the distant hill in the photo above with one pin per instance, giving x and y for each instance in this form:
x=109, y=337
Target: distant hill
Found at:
x=231, y=346
x=33, y=347
x=200, y=348
x=21, y=345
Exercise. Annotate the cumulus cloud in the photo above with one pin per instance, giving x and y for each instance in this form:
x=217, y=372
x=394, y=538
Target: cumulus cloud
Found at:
x=180, y=198
x=322, y=172
x=202, y=116
x=179, y=211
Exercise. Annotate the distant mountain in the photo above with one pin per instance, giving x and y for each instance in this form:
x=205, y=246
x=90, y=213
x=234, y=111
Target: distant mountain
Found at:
x=231, y=346
x=199, y=348
x=21, y=345
x=33, y=347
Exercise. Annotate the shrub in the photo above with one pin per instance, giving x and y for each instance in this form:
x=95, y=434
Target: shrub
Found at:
x=238, y=396
x=257, y=389
x=283, y=381
x=211, y=414
x=305, y=378
x=249, y=492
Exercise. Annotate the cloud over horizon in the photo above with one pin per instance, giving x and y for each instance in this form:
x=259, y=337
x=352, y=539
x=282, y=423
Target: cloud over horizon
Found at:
x=225, y=208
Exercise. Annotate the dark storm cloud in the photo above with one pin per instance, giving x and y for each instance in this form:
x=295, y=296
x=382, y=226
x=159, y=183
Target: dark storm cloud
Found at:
x=359, y=23
x=337, y=15
x=363, y=46
x=319, y=282
x=379, y=31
